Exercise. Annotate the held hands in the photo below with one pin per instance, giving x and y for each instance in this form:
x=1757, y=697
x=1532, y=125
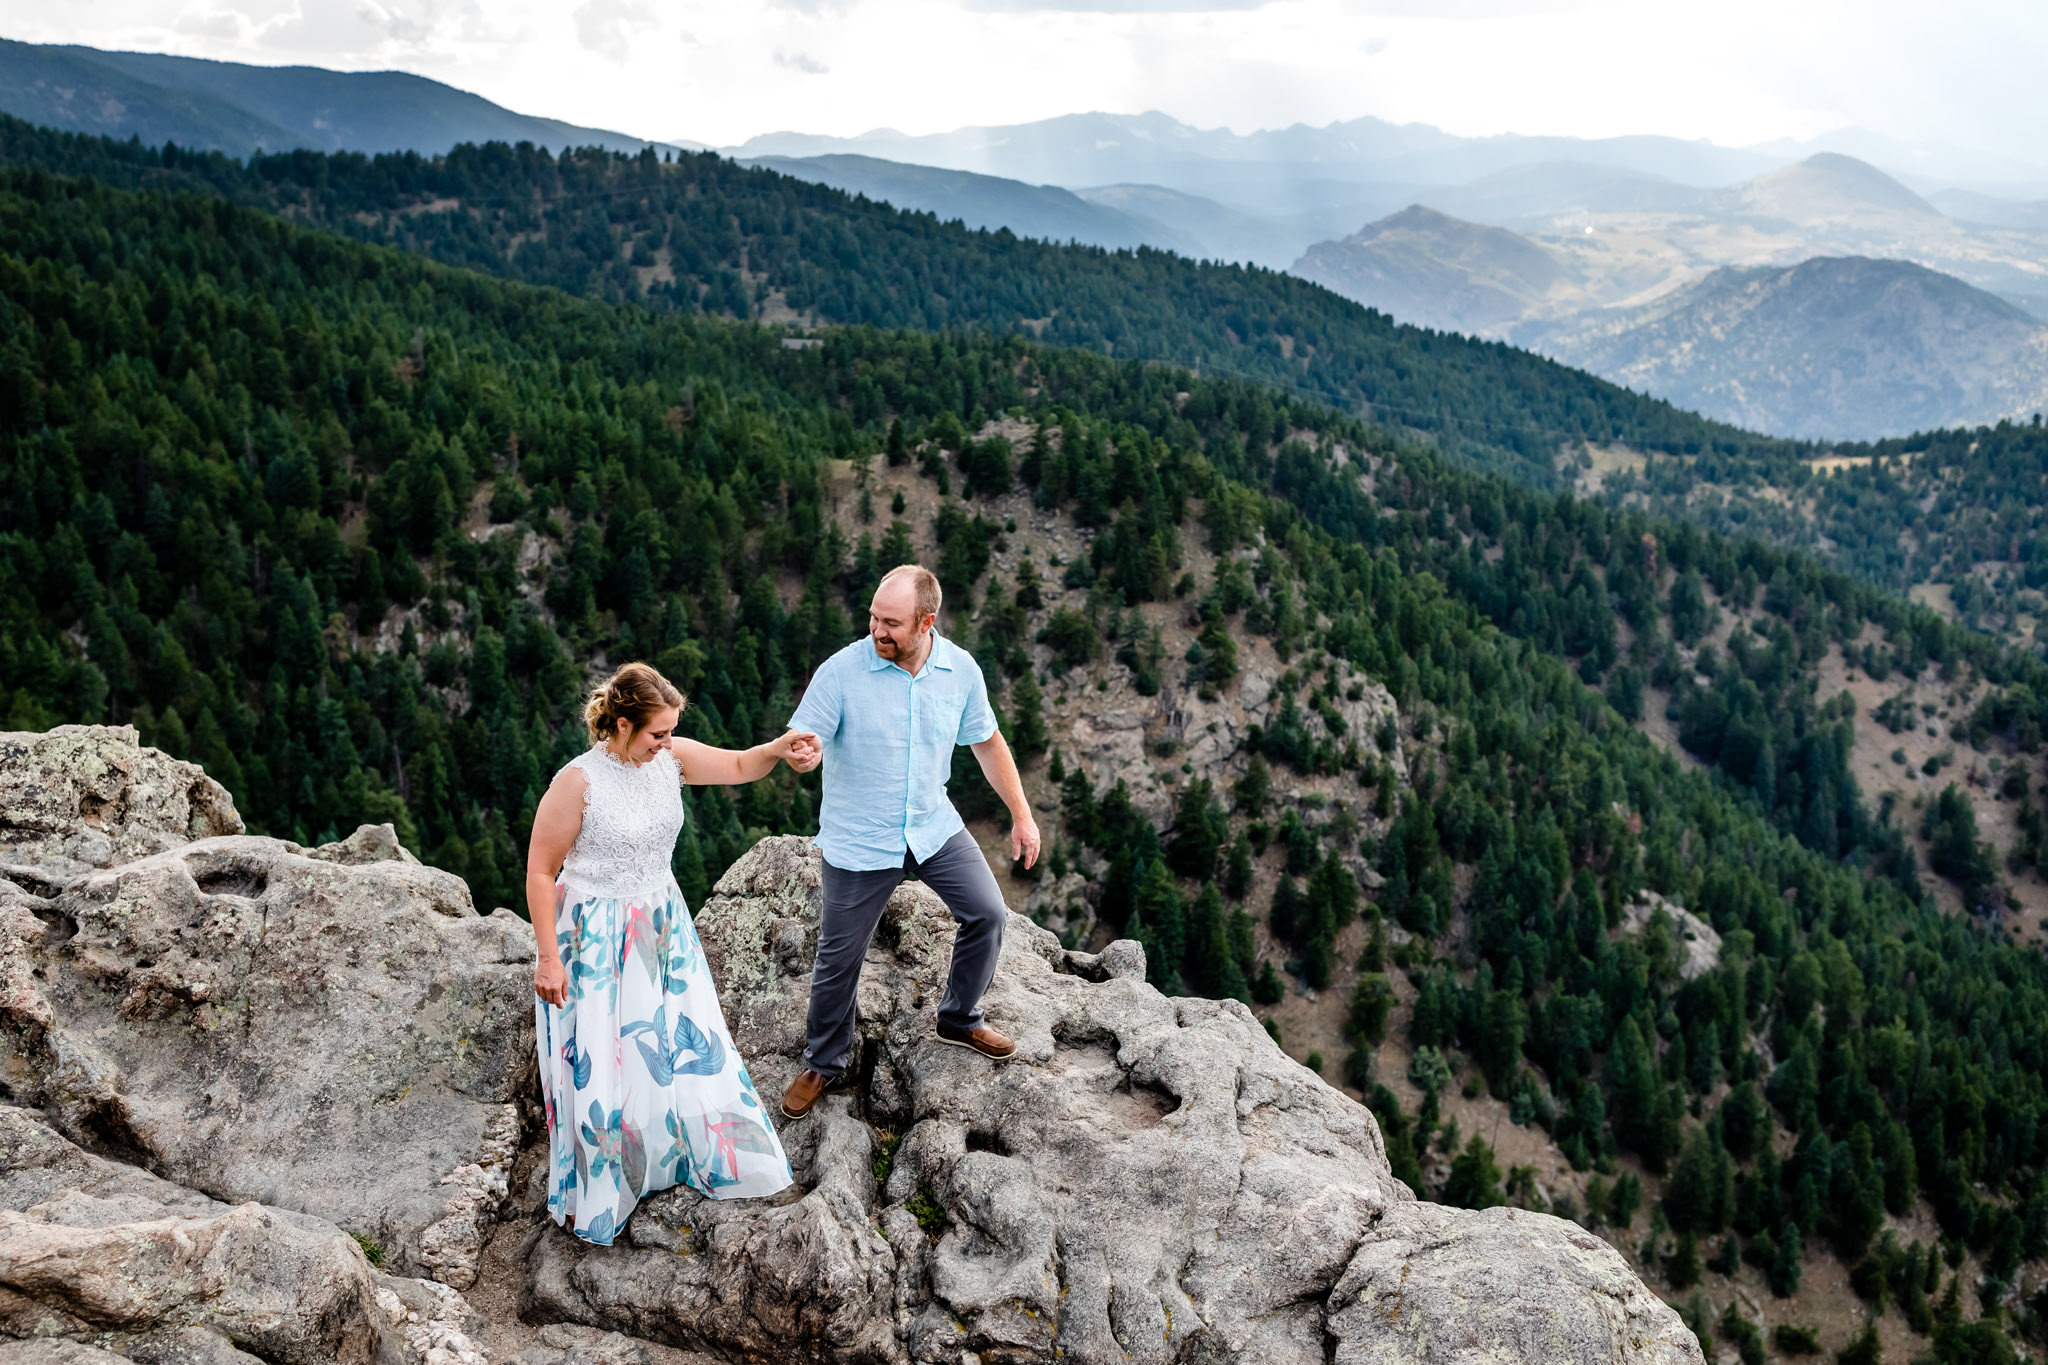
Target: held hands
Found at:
x=799, y=749
x=1024, y=840
x=550, y=980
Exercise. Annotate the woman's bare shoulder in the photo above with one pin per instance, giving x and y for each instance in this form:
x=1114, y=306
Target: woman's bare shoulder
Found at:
x=570, y=780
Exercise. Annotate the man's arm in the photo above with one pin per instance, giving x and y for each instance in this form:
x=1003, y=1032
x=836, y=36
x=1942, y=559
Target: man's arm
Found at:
x=1000, y=768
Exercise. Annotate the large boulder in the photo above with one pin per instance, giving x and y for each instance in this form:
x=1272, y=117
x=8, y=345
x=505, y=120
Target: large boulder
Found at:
x=91, y=796
x=1150, y=1179
x=97, y=1256
x=332, y=1030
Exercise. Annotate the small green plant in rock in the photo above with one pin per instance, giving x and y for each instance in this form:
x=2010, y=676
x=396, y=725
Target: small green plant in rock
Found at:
x=373, y=1251
x=886, y=1162
x=924, y=1207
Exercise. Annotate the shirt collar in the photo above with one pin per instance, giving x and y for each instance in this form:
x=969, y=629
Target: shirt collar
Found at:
x=941, y=658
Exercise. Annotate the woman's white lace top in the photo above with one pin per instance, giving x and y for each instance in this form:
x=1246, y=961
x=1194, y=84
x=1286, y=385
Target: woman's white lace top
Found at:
x=631, y=817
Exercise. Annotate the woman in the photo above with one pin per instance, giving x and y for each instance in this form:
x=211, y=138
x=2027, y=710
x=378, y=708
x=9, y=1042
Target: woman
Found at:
x=642, y=1084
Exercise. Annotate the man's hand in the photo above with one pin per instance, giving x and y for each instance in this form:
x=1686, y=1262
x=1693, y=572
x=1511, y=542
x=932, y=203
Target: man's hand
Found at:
x=550, y=980
x=799, y=749
x=1024, y=841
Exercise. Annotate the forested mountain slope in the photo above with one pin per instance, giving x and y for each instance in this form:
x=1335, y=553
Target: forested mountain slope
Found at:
x=702, y=234
x=705, y=235
x=350, y=528
x=239, y=109
x=1964, y=511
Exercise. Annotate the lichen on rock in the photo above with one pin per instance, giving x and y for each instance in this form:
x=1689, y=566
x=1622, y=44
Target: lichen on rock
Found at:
x=91, y=796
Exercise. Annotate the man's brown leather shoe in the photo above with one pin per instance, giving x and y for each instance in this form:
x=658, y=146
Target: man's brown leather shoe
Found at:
x=984, y=1040
x=804, y=1092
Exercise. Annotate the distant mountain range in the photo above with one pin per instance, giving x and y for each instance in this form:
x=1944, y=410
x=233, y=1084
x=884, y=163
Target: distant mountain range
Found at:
x=1599, y=251
x=238, y=109
x=1046, y=212
x=1277, y=172
x=1907, y=318
x=1833, y=346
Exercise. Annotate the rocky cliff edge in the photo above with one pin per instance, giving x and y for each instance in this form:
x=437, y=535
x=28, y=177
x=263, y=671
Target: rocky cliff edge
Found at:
x=232, y=1065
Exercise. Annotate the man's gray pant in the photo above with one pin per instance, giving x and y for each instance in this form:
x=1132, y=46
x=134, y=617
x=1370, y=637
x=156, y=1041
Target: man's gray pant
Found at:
x=853, y=907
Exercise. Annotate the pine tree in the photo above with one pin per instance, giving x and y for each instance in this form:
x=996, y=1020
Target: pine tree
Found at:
x=1239, y=932
x=1783, y=1273
x=1077, y=804
x=1254, y=788
x=1474, y=1181
x=1237, y=868
x=1866, y=1349
x=1682, y=1266
x=1267, y=988
x=1701, y=1189
x=1156, y=904
x=1501, y=1023
x=1623, y=1200
x=1030, y=595
x=1028, y=737
x=1371, y=999
x=1286, y=913
x=1333, y=886
x=1199, y=828
x=1399, y=1136
x=1745, y=1123
x=1212, y=961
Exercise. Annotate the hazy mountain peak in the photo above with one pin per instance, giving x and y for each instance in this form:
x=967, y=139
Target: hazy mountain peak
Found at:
x=1843, y=345
x=1428, y=268
x=1831, y=185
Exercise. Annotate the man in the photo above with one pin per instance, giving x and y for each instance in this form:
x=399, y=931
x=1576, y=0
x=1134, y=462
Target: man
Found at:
x=887, y=711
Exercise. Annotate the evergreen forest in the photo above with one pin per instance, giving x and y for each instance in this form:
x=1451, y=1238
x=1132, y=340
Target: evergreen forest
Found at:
x=351, y=526
x=702, y=234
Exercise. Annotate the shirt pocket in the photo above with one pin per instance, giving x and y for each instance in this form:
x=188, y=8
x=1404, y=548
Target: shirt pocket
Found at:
x=940, y=721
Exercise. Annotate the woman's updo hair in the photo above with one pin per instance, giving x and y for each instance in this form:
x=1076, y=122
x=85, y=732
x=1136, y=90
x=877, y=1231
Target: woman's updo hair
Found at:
x=634, y=693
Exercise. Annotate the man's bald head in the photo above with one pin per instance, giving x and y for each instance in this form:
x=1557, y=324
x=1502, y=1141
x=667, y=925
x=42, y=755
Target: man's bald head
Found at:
x=904, y=610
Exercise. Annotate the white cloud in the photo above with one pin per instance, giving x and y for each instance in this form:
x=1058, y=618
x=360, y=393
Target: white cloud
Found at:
x=1113, y=6
x=802, y=61
x=608, y=27
x=1736, y=71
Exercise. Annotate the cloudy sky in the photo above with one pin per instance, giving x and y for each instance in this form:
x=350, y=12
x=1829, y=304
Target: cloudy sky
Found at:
x=719, y=71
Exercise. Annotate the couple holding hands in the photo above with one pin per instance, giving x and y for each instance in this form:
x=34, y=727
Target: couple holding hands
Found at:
x=642, y=1084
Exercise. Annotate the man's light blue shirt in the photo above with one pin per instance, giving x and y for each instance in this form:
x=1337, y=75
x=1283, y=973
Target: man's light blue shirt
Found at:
x=888, y=740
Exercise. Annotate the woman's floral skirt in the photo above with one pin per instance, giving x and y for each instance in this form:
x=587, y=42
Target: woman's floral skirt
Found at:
x=643, y=1086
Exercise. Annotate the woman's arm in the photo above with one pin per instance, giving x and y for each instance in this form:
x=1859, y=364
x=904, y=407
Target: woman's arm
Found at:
x=556, y=823
x=704, y=766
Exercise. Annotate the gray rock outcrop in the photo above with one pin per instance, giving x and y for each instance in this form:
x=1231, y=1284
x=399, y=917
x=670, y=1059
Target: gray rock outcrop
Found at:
x=303, y=1044
x=102, y=1261
x=91, y=796
x=1150, y=1179
x=330, y=1030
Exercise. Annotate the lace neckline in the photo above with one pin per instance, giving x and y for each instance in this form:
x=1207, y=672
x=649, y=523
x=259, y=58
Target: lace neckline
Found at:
x=605, y=750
